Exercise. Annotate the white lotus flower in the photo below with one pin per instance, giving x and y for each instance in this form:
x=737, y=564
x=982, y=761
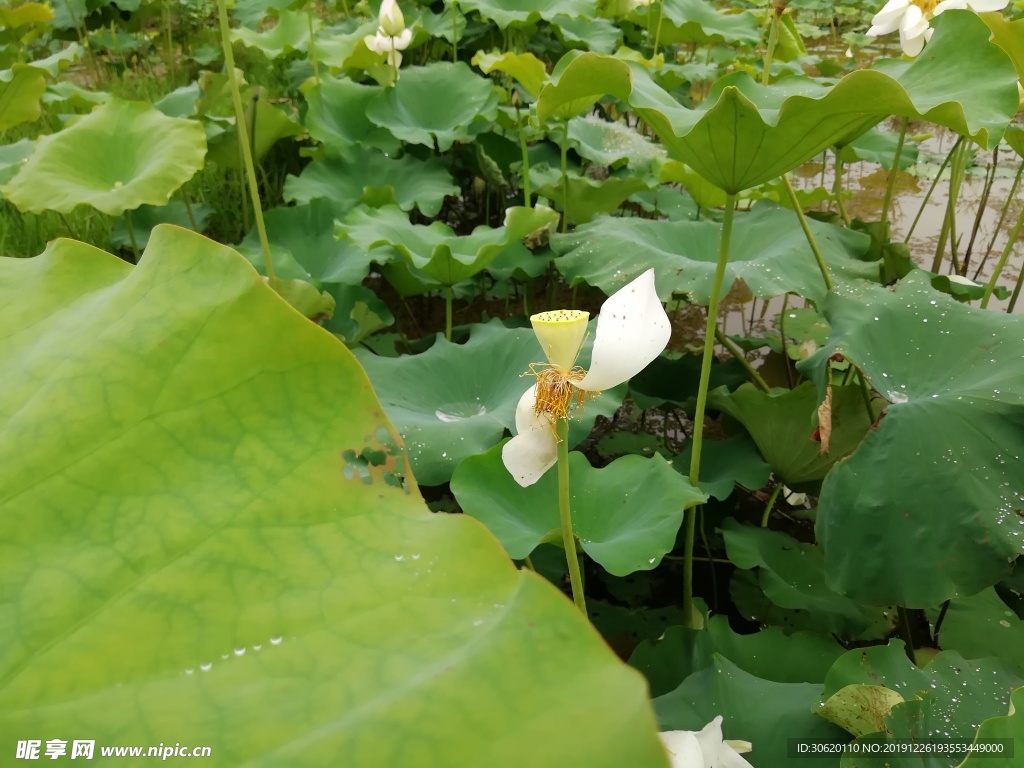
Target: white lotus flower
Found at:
x=693, y=749
x=632, y=330
x=392, y=46
x=390, y=18
x=912, y=17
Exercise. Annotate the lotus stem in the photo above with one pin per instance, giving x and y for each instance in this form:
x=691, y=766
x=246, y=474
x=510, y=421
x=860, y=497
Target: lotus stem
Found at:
x=773, y=39
x=455, y=31
x=131, y=234
x=526, y=158
x=1002, y=217
x=312, y=48
x=931, y=188
x=1016, y=293
x=565, y=514
x=737, y=353
x=690, y=516
x=188, y=209
x=807, y=232
x=956, y=175
x=243, y=137
x=782, y=334
x=565, y=177
x=770, y=505
x=908, y=638
x=448, y=292
x=890, y=185
x=1011, y=241
x=837, y=190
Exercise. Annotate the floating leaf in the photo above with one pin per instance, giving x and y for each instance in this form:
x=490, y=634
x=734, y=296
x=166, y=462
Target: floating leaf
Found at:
x=612, y=144
x=625, y=515
x=108, y=160
x=457, y=400
x=205, y=533
x=982, y=625
x=955, y=382
x=769, y=252
x=725, y=464
x=435, y=250
x=792, y=577
x=337, y=116
x=522, y=12
x=440, y=104
x=1010, y=727
x=373, y=178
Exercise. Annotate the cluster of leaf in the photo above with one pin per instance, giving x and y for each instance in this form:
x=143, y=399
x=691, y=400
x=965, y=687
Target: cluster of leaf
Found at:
x=208, y=519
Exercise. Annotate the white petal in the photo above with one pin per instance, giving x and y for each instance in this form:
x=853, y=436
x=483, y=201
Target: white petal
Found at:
x=911, y=45
x=534, y=450
x=951, y=5
x=888, y=19
x=390, y=18
x=985, y=6
x=402, y=41
x=683, y=749
x=632, y=330
x=710, y=740
x=730, y=757
x=378, y=43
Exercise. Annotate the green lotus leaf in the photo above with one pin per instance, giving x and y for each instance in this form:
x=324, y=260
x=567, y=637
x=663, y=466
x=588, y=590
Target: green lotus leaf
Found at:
x=21, y=88
x=982, y=625
x=251, y=12
x=12, y=156
x=303, y=246
x=948, y=699
x=697, y=21
x=955, y=382
x=1008, y=35
x=612, y=144
x=269, y=126
x=358, y=313
x=769, y=252
x=56, y=63
x=860, y=709
x=373, y=178
x=457, y=400
x=108, y=160
x=764, y=712
x=146, y=217
x=526, y=68
x=587, y=197
x=1010, y=727
x=1014, y=136
x=744, y=134
x=205, y=534
x=25, y=14
x=69, y=96
x=879, y=146
x=626, y=515
x=336, y=116
x=792, y=577
x=771, y=654
x=440, y=25
x=289, y=34
x=675, y=380
x=724, y=464
x=341, y=46
x=598, y=35
x=784, y=427
x=706, y=194
x=435, y=250
x=438, y=104
x=522, y=12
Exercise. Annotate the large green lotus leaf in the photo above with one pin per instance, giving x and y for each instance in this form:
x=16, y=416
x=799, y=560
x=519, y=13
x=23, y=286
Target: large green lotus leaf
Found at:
x=792, y=576
x=626, y=515
x=336, y=116
x=435, y=249
x=303, y=246
x=587, y=197
x=358, y=313
x=598, y=35
x=12, y=156
x=982, y=625
x=1008, y=35
x=781, y=423
x=764, y=712
x=205, y=537
x=878, y=146
x=744, y=134
x=147, y=217
x=955, y=381
x=771, y=654
x=676, y=379
x=436, y=105
x=521, y=12
x=341, y=46
x=948, y=699
x=725, y=464
x=21, y=88
x=57, y=62
x=290, y=34
x=696, y=21
x=1006, y=727
x=109, y=160
x=457, y=400
x=373, y=178
x=612, y=144
x=270, y=125
x=527, y=69
x=26, y=13
x=769, y=252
